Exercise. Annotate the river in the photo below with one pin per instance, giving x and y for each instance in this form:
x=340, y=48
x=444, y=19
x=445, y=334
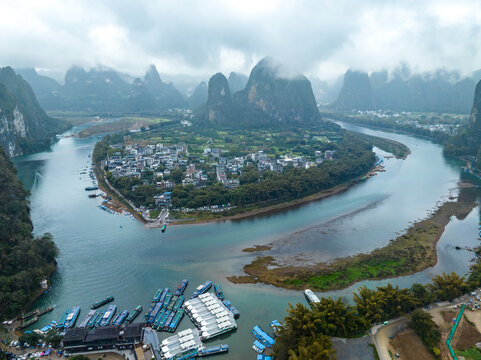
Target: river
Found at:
x=103, y=254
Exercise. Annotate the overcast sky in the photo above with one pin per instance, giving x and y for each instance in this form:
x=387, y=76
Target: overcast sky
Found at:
x=319, y=38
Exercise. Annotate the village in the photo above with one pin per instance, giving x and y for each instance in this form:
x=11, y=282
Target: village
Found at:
x=165, y=166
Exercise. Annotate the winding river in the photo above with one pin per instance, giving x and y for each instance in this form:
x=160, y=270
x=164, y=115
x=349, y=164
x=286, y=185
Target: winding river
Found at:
x=103, y=254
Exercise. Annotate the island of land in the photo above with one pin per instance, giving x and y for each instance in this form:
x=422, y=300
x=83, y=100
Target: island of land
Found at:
x=409, y=253
x=198, y=174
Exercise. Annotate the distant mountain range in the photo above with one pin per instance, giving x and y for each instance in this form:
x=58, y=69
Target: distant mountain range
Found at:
x=267, y=98
x=105, y=91
x=440, y=91
x=24, y=125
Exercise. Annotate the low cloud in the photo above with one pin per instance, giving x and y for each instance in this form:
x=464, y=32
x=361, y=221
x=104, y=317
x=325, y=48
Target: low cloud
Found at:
x=198, y=38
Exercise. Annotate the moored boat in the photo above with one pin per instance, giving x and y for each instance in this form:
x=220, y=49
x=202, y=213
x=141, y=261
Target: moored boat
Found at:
x=218, y=291
x=181, y=287
x=120, y=318
x=72, y=317
x=87, y=318
x=109, y=314
x=202, y=288
x=311, y=297
x=98, y=304
x=134, y=314
x=231, y=308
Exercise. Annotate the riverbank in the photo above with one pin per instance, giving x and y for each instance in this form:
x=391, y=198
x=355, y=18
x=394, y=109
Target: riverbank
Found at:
x=409, y=253
x=272, y=209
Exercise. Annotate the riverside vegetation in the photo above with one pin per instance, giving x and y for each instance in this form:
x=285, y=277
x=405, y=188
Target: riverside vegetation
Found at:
x=25, y=260
x=409, y=253
x=306, y=334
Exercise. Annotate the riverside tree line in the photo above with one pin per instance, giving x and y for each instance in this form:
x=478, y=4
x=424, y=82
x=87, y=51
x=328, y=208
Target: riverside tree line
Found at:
x=306, y=334
x=25, y=260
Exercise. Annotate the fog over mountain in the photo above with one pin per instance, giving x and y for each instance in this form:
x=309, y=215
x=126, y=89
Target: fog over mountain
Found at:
x=321, y=39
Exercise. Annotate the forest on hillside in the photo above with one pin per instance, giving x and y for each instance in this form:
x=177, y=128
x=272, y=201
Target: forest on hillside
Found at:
x=25, y=260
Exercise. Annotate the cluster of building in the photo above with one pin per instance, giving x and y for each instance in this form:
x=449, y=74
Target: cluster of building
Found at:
x=132, y=159
x=409, y=118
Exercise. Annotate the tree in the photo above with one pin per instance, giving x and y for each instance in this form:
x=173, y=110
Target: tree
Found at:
x=301, y=338
x=422, y=293
x=31, y=338
x=339, y=319
x=422, y=323
x=448, y=286
x=177, y=175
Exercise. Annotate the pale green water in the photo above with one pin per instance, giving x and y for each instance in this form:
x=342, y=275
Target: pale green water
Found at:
x=99, y=258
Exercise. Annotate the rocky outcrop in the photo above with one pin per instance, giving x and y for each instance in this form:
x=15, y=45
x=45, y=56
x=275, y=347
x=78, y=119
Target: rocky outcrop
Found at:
x=199, y=96
x=270, y=96
x=237, y=82
x=356, y=92
x=24, y=126
x=219, y=109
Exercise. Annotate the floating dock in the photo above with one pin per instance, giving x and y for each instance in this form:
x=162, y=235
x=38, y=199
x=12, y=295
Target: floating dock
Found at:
x=27, y=323
x=184, y=345
x=210, y=315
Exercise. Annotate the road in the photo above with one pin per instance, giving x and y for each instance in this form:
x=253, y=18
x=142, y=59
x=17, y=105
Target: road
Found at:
x=380, y=335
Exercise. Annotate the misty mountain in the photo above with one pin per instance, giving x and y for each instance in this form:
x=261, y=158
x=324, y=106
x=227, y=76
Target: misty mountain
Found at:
x=199, y=96
x=268, y=98
x=107, y=91
x=166, y=95
x=24, y=125
x=440, y=91
x=324, y=92
x=219, y=108
x=467, y=141
x=237, y=82
x=43, y=86
x=356, y=92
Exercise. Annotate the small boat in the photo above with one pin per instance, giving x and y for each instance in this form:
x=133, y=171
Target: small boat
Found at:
x=120, y=318
x=109, y=314
x=181, y=287
x=164, y=227
x=202, y=288
x=231, y=308
x=133, y=314
x=71, y=317
x=91, y=188
x=205, y=351
x=311, y=297
x=98, y=304
x=218, y=291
